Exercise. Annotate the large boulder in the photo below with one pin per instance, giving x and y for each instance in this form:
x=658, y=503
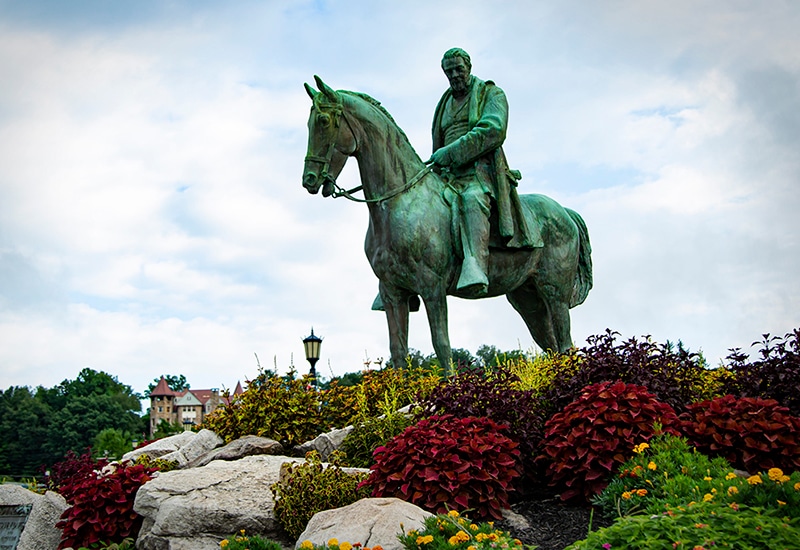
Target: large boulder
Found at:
x=182, y=448
x=370, y=521
x=249, y=445
x=193, y=509
x=40, y=532
x=324, y=444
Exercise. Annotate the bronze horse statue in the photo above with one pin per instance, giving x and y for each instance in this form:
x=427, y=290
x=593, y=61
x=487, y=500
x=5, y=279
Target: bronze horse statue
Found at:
x=410, y=242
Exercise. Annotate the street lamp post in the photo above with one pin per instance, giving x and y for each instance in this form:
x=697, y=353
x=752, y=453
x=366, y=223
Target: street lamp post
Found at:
x=312, y=344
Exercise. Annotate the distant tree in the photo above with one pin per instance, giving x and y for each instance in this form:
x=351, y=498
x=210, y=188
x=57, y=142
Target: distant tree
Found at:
x=462, y=358
x=112, y=444
x=175, y=383
x=24, y=425
x=166, y=429
x=490, y=356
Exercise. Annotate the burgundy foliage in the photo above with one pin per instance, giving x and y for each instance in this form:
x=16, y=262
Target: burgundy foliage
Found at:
x=102, y=506
x=595, y=434
x=751, y=433
x=65, y=477
x=446, y=462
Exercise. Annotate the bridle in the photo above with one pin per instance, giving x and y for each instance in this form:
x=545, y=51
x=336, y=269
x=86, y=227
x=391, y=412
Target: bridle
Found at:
x=337, y=113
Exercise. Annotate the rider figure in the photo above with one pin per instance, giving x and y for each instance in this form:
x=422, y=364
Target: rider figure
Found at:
x=469, y=127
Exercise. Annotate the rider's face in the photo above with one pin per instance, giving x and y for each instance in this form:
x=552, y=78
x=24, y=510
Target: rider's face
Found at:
x=457, y=72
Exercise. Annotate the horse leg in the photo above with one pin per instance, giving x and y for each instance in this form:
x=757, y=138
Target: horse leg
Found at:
x=436, y=308
x=396, y=306
x=533, y=309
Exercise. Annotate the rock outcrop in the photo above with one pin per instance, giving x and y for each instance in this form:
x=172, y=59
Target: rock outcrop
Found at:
x=324, y=444
x=40, y=531
x=370, y=521
x=195, y=508
x=249, y=445
x=182, y=448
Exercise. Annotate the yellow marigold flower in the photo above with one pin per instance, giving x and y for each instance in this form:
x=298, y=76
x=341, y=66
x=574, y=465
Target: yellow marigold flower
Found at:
x=377, y=547
x=652, y=466
x=333, y=542
x=470, y=547
x=701, y=525
x=730, y=476
x=640, y=447
x=424, y=539
x=473, y=527
x=708, y=497
x=783, y=479
x=775, y=474
x=493, y=537
x=452, y=514
x=732, y=490
x=345, y=546
x=307, y=545
x=480, y=537
x=626, y=495
x=781, y=503
x=797, y=486
x=517, y=542
x=754, y=480
x=641, y=492
x=223, y=543
x=707, y=478
x=241, y=531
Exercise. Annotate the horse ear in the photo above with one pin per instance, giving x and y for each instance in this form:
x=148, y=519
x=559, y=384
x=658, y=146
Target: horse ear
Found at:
x=312, y=93
x=329, y=92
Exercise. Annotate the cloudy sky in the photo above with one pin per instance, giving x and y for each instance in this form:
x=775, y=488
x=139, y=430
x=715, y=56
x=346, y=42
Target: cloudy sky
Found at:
x=152, y=219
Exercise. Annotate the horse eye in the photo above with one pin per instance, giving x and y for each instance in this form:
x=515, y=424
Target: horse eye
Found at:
x=324, y=119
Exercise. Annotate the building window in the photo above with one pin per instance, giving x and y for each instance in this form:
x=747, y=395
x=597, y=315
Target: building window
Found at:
x=160, y=409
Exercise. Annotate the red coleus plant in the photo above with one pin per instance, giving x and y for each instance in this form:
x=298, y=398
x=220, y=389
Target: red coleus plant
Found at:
x=596, y=433
x=751, y=433
x=446, y=462
x=102, y=506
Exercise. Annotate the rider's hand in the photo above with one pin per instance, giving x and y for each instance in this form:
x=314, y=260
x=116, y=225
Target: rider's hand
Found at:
x=439, y=157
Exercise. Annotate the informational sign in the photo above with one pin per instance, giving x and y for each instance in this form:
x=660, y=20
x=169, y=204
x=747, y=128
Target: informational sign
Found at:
x=12, y=522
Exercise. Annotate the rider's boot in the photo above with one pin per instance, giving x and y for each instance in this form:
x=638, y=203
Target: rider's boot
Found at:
x=473, y=280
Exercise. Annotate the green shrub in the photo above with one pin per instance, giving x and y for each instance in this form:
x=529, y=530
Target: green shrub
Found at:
x=444, y=461
x=701, y=526
x=241, y=541
x=665, y=472
x=160, y=464
x=452, y=532
x=311, y=487
x=370, y=434
x=379, y=392
x=586, y=443
x=286, y=409
x=751, y=433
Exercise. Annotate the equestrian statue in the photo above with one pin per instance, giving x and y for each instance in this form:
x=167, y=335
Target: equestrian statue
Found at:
x=454, y=224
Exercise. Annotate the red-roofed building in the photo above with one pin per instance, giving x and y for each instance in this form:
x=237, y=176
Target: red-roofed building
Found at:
x=187, y=407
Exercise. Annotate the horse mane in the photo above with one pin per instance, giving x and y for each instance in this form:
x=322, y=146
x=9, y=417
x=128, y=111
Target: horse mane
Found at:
x=377, y=104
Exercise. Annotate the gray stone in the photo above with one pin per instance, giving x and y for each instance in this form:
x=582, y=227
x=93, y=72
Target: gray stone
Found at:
x=196, y=508
x=161, y=447
x=249, y=445
x=324, y=444
x=370, y=521
x=203, y=442
x=40, y=531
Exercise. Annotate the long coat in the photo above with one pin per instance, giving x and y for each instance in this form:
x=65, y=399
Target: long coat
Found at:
x=482, y=145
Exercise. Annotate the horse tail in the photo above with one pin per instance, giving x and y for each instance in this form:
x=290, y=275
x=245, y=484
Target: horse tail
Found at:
x=583, y=277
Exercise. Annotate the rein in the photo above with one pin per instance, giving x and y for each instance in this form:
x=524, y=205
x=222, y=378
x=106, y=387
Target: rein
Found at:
x=340, y=192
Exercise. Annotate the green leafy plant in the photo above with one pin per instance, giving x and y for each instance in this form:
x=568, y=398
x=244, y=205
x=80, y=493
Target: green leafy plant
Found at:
x=665, y=472
x=242, y=541
x=368, y=435
x=446, y=461
x=751, y=433
x=286, y=409
x=310, y=487
x=453, y=532
x=701, y=527
x=585, y=444
x=160, y=464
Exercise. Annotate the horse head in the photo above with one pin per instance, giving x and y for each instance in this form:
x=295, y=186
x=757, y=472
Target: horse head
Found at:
x=328, y=145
